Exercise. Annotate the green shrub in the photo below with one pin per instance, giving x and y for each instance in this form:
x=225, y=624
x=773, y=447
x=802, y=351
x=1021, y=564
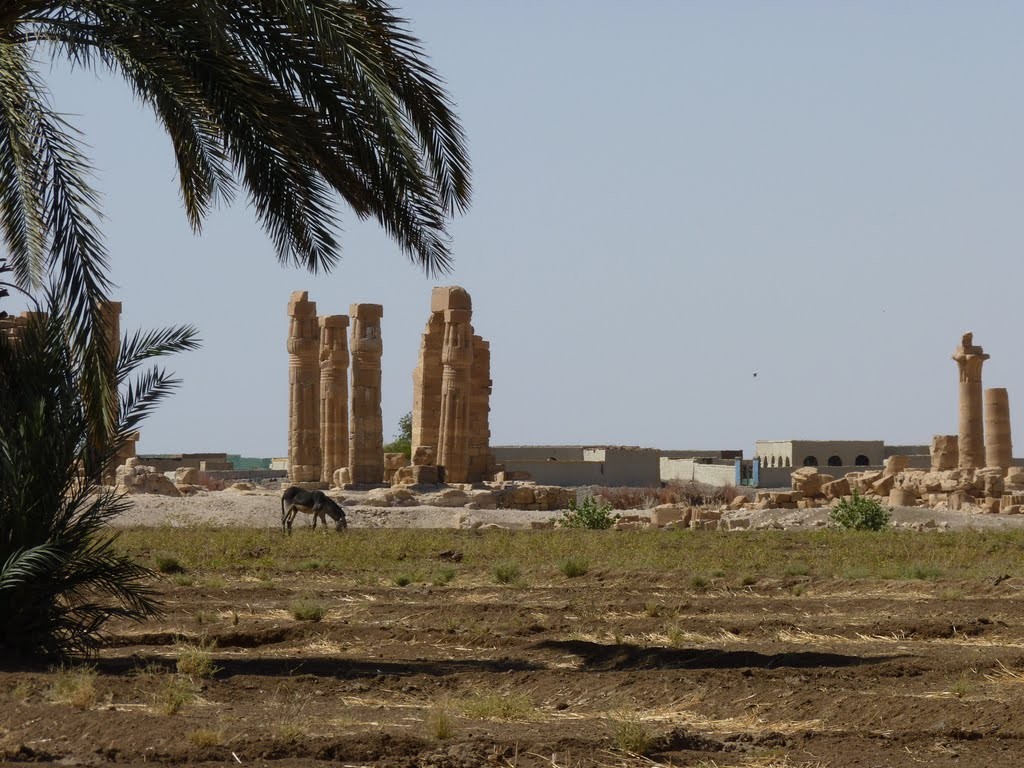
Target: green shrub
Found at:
x=860, y=513
x=167, y=563
x=506, y=573
x=308, y=609
x=403, y=440
x=571, y=567
x=588, y=513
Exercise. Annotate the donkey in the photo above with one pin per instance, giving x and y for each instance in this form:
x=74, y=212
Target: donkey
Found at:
x=316, y=503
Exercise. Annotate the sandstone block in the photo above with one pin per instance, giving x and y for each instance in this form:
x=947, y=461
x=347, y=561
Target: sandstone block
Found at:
x=836, y=489
x=449, y=497
x=416, y=475
x=883, y=485
x=523, y=495
x=902, y=497
x=424, y=456
x=895, y=464
x=663, y=514
x=186, y=476
x=342, y=477
x=990, y=506
x=395, y=461
x=807, y=480
x=485, y=499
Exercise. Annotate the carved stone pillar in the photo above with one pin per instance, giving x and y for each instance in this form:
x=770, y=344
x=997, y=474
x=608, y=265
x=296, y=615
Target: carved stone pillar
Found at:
x=303, y=390
x=426, y=386
x=333, y=395
x=998, y=445
x=481, y=462
x=366, y=437
x=969, y=360
x=457, y=358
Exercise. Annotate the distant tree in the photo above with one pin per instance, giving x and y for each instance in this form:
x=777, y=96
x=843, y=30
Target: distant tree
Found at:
x=403, y=440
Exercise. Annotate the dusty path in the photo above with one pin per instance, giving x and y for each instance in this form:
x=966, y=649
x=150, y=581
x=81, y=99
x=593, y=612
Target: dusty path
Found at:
x=262, y=509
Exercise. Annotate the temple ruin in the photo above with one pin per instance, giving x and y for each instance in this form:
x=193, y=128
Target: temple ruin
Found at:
x=335, y=432
x=451, y=392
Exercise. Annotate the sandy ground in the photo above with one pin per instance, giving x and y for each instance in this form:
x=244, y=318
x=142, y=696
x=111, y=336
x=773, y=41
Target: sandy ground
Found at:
x=262, y=509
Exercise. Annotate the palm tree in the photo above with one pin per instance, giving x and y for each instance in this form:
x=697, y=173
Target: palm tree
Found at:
x=296, y=101
x=61, y=579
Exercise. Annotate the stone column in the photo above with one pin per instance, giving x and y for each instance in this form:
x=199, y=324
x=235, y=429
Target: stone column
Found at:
x=969, y=360
x=303, y=390
x=480, y=460
x=333, y=395
x=457, y=357
x=998, y=446
x=426, y=386
x=366, y=435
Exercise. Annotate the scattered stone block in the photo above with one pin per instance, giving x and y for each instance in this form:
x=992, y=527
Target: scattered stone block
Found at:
x=902, y=497
x=664, y=514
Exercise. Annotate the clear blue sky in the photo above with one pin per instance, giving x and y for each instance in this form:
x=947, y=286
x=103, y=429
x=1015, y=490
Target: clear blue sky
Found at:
x=669, y=197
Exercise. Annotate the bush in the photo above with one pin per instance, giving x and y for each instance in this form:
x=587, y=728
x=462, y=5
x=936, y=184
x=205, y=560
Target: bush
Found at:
x=61, y=579
x=403, y=440
x=589, y=513
x=308, y=609
x=572, y=567
x=860, y=513
x=506, y=573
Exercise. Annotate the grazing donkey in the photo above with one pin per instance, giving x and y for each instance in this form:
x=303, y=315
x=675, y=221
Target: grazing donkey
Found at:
x=316, y=503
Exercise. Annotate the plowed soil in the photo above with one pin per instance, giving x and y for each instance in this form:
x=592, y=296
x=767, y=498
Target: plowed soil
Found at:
x=586, y=671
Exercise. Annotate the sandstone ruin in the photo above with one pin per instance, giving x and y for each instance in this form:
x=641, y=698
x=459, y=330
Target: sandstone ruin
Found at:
x=366, y=446
x=451, y=392
x=335, y=432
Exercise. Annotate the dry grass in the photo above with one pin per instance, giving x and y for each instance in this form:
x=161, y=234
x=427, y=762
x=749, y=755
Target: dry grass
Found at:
x=75, y=686
x=439, y=722
x=206, y=737
x=176, y=694
x=499, y=706
x=196, y=660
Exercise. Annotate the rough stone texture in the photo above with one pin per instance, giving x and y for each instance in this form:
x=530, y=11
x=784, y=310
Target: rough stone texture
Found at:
x=366, y=428
x=186, y=476
x=136, y=478
x=481, y=461
x=333, y=395
x=341, y=477
x=969, y=359
x=663, y=514
x=417, y=474
x=426, y=386
x=424, y=455
x=998, y=445
x=895, y=464
x=945, y=452
x=392, y=463
x=303, y=390
x=451, y=391
x=807, y=480
x=902, y=497
x=457, y=358
x=836, y=489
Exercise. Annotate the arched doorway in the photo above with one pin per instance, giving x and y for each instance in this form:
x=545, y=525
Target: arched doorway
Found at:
x=835, y=461
x=811, y=461
x=862, y=461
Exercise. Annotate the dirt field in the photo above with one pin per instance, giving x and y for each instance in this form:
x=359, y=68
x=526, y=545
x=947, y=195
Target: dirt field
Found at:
x=694, y=649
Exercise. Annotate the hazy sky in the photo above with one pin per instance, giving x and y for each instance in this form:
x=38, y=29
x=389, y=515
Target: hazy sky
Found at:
x=669, y=197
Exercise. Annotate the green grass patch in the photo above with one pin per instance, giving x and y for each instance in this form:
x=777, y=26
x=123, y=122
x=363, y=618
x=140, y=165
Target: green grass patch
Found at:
x=573, y=567
x=506, y=573
x=308, y=608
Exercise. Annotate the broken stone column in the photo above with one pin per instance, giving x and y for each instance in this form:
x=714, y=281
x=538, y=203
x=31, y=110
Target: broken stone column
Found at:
x=969, y=360
x=457, y=357
x=481, y=462
x=303, y=390
x=366, y=427
x=998, y=446
x=333, y=395
x=945, y=452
